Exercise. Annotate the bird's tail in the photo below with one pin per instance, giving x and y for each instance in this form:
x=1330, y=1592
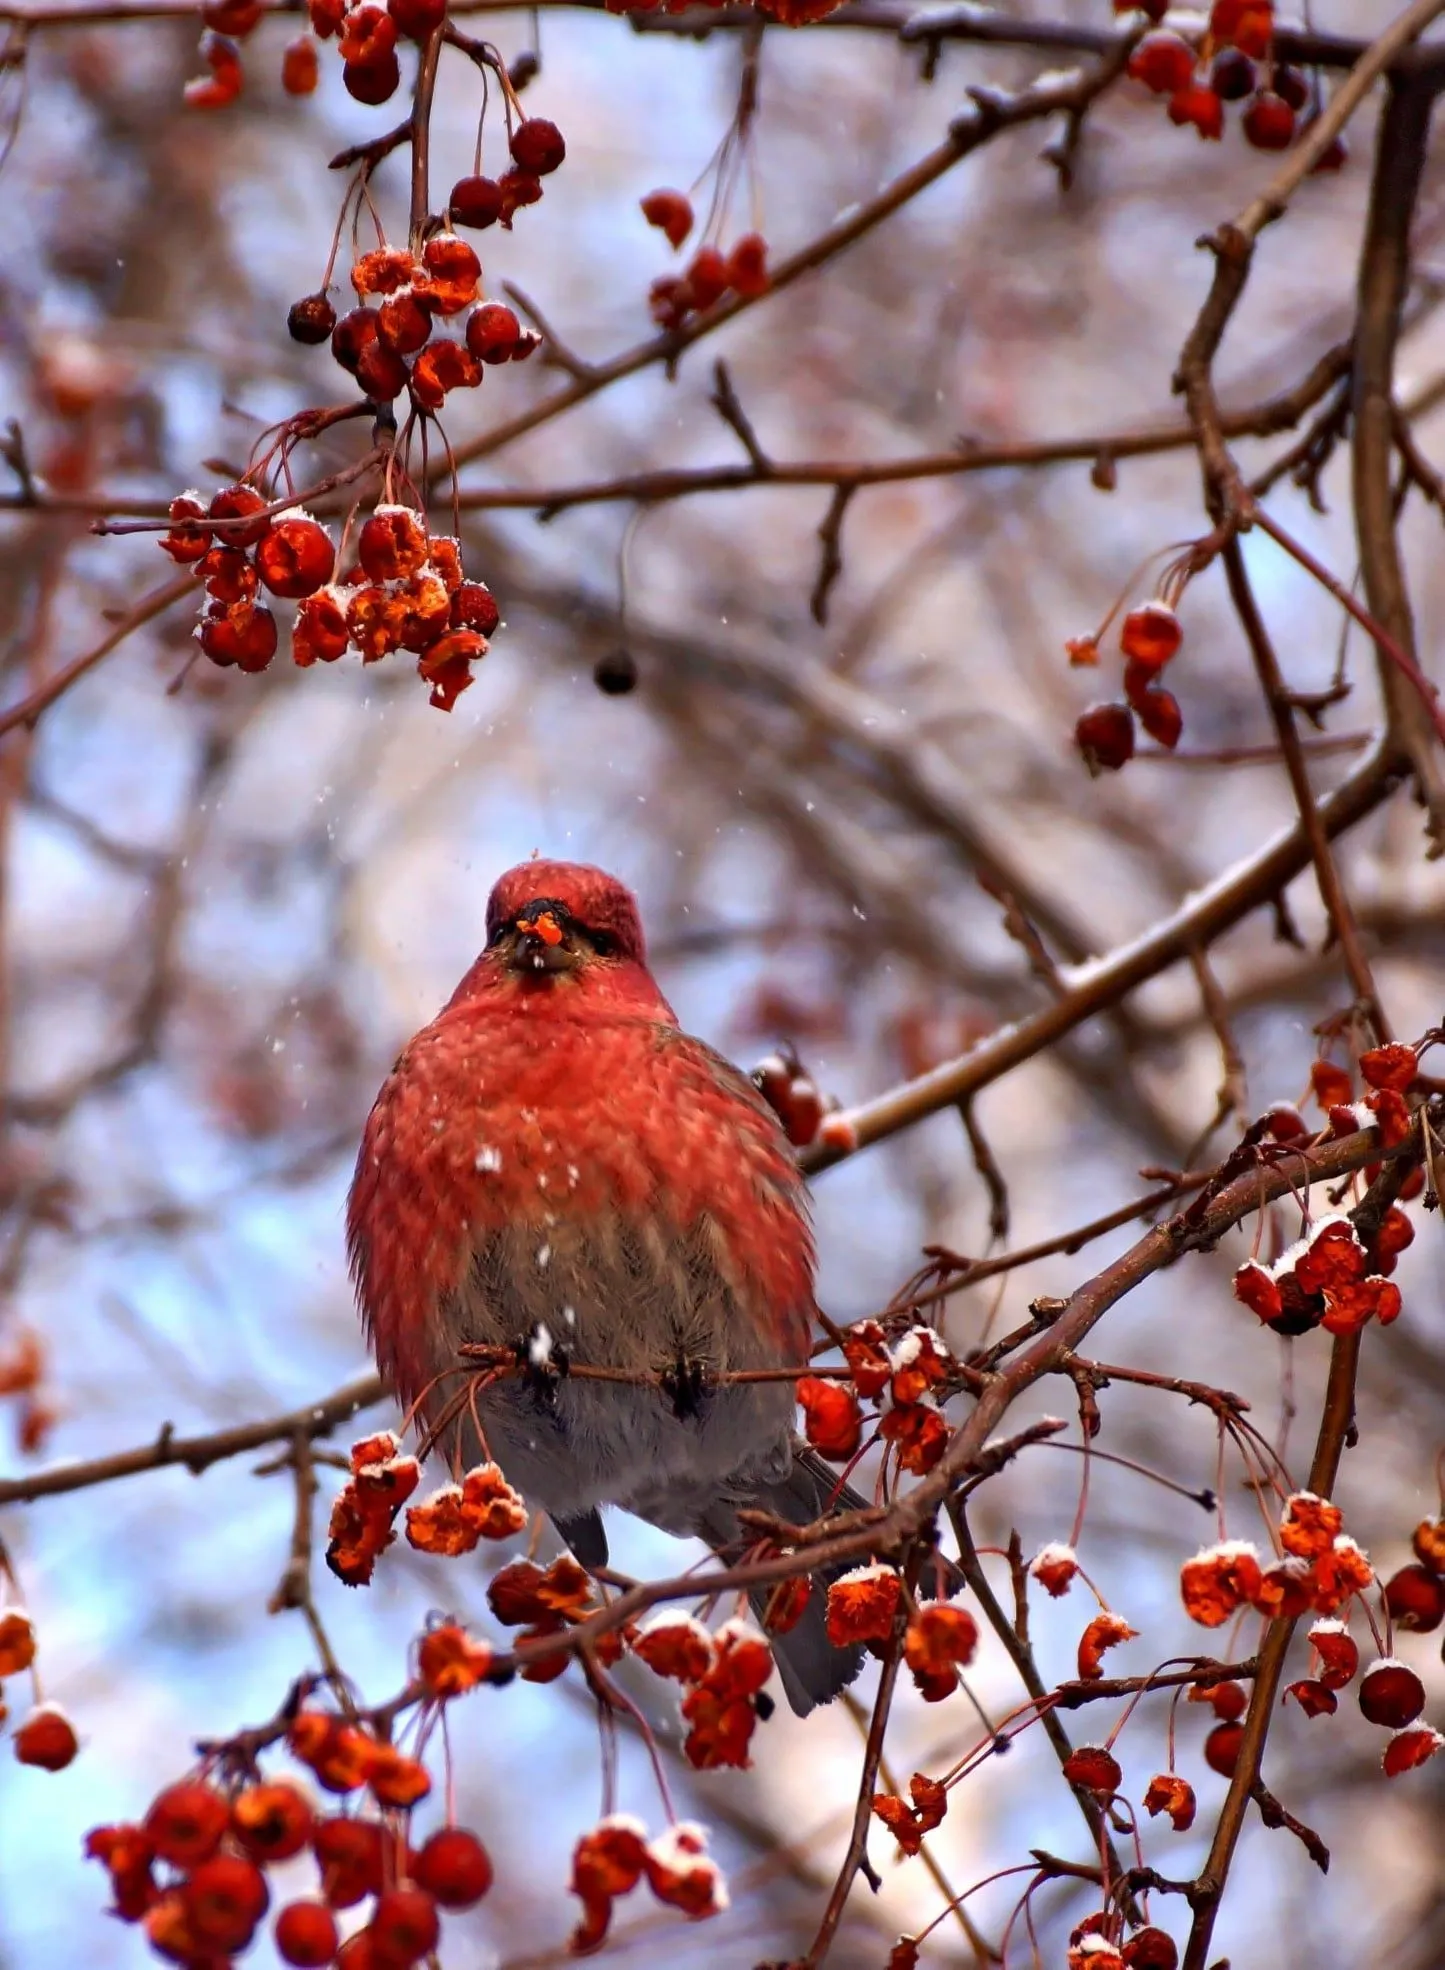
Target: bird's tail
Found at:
x=812, y=1670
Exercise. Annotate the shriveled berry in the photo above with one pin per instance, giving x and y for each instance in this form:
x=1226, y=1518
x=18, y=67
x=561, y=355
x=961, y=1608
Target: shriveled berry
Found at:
x=186, y=541
x=518, y=188
x=453, y=274
x=368, y=36
x=353, y=334
x=232, y=503
x=311, y=319
x=1151, y=1949
x=440, y=368
x=300, y=68
x=372, y=82
x=454, y=1868
x=1105, y=736
x=296, y=558
x=475, y=202
x=1162, y=62
x=186, y=1821
x=671, y=213
x=272, y=1821
x=493, y=331
x=319, y=633
x=403, y=324
x=537, y=146
x=392, y=544
x=1269, y=122
x=306, y=1935
x=224, y=1898
x=1159, y=714
x=404, y=1925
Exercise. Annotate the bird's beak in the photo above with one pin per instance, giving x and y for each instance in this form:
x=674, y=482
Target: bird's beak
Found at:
x=542, y=945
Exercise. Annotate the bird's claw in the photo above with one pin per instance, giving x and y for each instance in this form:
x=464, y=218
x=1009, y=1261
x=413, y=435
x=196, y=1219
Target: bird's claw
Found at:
x=543, y=1364
x=685, y=1384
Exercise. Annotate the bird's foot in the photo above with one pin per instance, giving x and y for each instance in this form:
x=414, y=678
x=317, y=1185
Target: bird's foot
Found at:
x=543, y=1362
x=686, y=1383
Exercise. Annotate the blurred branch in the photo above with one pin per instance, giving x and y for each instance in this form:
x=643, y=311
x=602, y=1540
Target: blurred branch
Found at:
x=198, y=1453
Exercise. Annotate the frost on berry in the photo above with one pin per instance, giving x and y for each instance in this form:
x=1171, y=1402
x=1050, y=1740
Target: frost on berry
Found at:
x=46, y=1738
x=1391, y=1694
x=1105, y=1631
x=1054, y=1567
x=1095, y=1769
x=1218, y=1580
x=1104, y=735
x=676, y=1644
x=1338, y=1653
x=832, y=1419
x=1411, y=1747
x=939, y=1640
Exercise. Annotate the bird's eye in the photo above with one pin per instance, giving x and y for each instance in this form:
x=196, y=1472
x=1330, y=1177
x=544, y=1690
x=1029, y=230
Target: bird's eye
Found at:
x=602, y=942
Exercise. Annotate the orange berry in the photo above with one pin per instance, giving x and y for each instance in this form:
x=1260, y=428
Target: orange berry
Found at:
x=186, y=1821
x=46, y=1738
x=272, y=1822
x=454, y=1868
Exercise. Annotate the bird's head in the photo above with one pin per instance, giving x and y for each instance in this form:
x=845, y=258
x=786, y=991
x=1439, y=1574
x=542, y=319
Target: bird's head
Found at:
x=567, y=926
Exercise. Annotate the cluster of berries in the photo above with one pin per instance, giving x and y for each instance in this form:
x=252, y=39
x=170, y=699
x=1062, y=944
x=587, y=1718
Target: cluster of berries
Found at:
x=23, y=1368
x=193, y=1872
x=389, y=341
x=46, y=1737
x=710, y=274
x=225, y=25
x=908, y=1377
x=406, y=590
x=616, y=1855
x=938, y=1641
x=1233, y=63
x=1415, y=1594
x=1149, y=638
x=537, y=148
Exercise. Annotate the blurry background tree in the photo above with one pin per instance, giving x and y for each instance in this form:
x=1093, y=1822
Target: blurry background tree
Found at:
x=799, y=585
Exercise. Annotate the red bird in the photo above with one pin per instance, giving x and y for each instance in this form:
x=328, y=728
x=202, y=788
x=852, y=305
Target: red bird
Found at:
x=554, y=1168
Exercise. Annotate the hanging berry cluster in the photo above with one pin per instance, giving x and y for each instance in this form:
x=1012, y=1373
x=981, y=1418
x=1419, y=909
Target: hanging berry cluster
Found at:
x=45, y=1736
x=194, y=1872
x=807, y=1115
x=404, y=591
x=1148, y=639
x=710, y=275
x=1233, y=62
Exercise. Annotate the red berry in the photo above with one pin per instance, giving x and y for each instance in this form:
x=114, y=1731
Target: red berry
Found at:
x=368, y=36
x=403, y=324
x=186, y=542
x=311, y=319
x=671, y=213
x=417, y=19
x=1221, y=1748
x=349, y=1854
x=493, y=332
x=707, y=276
x=404, y=1925
x=748, y=267
x=251, y=643
x=1151, y=1949
x=236, y=17
x=273, y=1821
x=186, y=1821
x=1160, y=716
x=1268, y=123
x=232, y=502
x=46, y=1738
x=300, y=68
x=1391, y=1694
x=1231, y=76
x=1201, y=107
x=381, y=372
x=475, y=202
x=296, y=558
x=224, y=1899
x=1151, y=635
x=353, y=334
x=393, y=544
x=1245, y=24
x=1105, y=736
x=454, y=1868
x=1292, y=84
x=1415, y=1598
x=454, y=274
x=475, y=607
x=306, y=1934
x=537, y=146
x=372, y=82
x=1163, y=63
